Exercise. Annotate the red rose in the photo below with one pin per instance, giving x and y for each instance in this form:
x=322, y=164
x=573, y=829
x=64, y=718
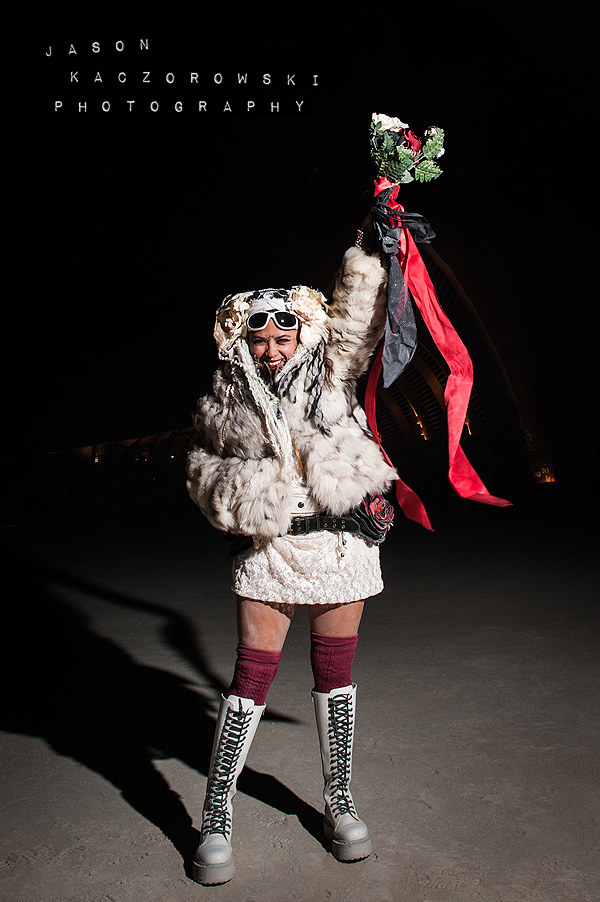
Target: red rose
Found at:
x=415, y=143
x=380, y=510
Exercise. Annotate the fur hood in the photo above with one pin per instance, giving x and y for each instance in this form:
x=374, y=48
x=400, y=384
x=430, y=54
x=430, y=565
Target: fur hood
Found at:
x=234, y=474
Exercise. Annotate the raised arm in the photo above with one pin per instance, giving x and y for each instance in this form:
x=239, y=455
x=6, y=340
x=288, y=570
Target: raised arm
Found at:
x=357, y=312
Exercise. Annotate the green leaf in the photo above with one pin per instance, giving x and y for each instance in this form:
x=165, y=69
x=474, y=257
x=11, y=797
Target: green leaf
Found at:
x=427, y=170
x=405, y=157
x=434, y=143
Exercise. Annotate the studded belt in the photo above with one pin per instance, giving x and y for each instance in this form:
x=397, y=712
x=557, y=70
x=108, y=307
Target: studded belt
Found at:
x=317, y=522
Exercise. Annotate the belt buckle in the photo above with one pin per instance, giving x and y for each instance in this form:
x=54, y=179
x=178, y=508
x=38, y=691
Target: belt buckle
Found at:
x=300, y=526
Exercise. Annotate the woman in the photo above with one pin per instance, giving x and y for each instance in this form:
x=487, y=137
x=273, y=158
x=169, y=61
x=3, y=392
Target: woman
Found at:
x=282, y=463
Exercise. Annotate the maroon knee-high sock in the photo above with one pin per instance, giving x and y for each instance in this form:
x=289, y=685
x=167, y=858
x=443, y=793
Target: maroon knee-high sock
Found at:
x=331, y=660
x=254, y=672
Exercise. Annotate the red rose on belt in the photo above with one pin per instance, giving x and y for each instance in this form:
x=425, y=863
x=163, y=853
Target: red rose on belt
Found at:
x=379, y=510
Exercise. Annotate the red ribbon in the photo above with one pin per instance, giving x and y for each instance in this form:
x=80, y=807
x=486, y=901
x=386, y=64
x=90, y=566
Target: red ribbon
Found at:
x=461, y=474
x=410, y=503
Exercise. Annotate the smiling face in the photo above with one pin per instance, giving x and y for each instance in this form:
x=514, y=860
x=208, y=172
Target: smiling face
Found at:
x=272, y=347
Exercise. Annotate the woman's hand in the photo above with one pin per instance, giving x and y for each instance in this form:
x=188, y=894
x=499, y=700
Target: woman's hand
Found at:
x=367, y=224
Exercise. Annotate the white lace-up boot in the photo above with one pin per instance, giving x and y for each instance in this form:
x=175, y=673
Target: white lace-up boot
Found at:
x=335, y=712
x=236, y=725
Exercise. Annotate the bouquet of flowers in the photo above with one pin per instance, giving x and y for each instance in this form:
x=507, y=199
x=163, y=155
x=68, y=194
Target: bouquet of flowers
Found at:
x=402, y=157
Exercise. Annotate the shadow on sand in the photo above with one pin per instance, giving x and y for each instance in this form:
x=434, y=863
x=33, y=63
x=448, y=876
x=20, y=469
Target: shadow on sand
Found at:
x=93, y=702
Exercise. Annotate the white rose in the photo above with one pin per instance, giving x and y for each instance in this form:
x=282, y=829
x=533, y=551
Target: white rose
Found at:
x=309, y=306
x=230, y=323
x=388, y=123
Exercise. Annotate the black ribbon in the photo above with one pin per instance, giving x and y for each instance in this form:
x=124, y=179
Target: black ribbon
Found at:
x=401, y=329
x=386, y=219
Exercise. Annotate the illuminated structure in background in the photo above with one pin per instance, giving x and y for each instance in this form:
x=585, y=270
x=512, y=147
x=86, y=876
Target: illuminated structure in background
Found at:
x=503, y=419
x=502, y=429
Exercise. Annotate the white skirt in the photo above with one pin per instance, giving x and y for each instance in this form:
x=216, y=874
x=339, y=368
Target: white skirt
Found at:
x=318, y=568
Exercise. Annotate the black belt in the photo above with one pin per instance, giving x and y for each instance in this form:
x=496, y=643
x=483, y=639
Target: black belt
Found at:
x=317, y=522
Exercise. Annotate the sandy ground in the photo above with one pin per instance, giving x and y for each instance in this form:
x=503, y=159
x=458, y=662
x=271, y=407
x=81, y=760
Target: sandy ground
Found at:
x=476, y=759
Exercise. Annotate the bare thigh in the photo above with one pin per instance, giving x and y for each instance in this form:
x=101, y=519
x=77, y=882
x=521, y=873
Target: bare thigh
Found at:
x=263, y=624
x=335, y=619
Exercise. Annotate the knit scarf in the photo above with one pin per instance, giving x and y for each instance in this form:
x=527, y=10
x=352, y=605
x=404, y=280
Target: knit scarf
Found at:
x=314, y=360
x=274, y=422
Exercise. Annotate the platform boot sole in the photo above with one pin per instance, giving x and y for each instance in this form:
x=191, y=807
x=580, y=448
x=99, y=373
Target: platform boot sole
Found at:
x=347, y=851
x=213, y=874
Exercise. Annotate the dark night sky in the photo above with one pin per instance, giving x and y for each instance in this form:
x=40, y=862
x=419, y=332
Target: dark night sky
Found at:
x=141, y=223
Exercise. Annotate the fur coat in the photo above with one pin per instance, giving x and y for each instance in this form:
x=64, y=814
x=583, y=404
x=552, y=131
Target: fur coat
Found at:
x=235, y=477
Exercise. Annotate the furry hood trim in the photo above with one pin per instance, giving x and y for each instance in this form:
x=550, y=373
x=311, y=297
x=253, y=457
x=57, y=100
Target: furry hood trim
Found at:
x=308, y=304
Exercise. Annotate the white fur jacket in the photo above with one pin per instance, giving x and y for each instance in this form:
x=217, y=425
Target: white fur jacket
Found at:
x=234, y=475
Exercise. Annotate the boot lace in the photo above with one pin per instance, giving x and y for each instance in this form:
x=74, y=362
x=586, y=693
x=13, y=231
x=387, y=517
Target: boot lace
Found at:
x=217, y=818
x=340, y=750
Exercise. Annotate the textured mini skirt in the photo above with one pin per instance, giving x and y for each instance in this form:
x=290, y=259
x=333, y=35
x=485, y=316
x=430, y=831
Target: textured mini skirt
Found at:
x=317, y=568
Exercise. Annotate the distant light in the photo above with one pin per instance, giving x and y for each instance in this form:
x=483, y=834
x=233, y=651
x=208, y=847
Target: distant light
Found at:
x=544, y=475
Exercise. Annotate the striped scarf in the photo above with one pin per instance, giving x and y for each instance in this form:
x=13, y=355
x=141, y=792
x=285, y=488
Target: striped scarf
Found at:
x=313, y=384
x=275, y=424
